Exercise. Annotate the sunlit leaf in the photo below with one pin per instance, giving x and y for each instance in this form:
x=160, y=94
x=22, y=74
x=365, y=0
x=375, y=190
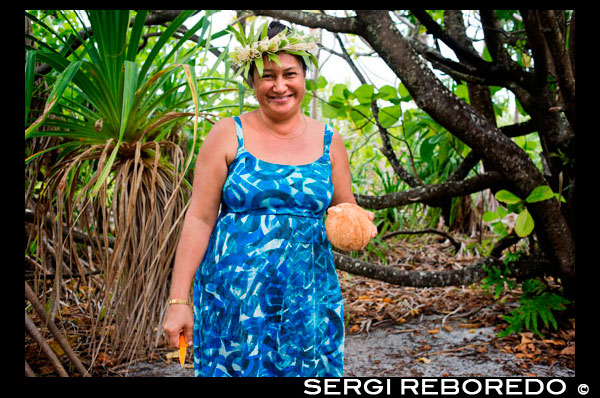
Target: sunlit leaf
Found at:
x=507, y=197
x=524, y=224
x=540, y=193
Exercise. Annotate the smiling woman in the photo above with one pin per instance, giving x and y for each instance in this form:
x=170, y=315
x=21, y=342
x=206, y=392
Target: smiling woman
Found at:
x=281, y=89
x=266, y=299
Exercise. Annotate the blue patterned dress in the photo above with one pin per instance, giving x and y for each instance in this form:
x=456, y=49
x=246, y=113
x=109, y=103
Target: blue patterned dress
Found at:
x=267, y=301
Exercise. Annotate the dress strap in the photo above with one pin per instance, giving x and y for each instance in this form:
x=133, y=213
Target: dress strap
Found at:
x=239, y=131
x=327, y=138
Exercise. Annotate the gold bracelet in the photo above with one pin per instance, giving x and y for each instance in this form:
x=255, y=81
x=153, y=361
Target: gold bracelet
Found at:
x=179, y=301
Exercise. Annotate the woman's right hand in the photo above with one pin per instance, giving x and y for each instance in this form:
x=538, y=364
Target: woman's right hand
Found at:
x=179, y=319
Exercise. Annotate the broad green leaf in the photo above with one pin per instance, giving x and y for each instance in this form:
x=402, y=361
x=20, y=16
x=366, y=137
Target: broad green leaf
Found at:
x=502, y=212
x=403, y=91
x=311, y=85
x=364, y=93
x=540, y=193
x=387, y=92
x=341, y=91
x=524, y=223
x=389, y=115
x=436, y=139
x=489, y=216
x=426, y=150
x=321, y=82
x=507, y=197
x=329, y=110
x=360, y=112
x=560, y=197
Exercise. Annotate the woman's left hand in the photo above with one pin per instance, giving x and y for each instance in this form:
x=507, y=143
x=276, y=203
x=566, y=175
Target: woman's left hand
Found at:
x=373, y=226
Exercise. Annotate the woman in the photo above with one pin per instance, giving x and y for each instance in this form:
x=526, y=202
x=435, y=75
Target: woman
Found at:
x=266, y=296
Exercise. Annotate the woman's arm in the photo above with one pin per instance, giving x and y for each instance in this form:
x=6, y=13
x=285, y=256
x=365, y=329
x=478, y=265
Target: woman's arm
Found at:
x=342, y=179
x=340, y=172
x=209, y=176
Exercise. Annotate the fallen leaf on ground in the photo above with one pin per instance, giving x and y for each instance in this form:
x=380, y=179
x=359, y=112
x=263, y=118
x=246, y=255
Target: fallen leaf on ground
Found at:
x=570, y=350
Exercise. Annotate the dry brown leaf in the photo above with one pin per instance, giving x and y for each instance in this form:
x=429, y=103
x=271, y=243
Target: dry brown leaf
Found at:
x=570, y=350
x=56, y=347
x=522, y=355
x=554, y=342
x=469, y=325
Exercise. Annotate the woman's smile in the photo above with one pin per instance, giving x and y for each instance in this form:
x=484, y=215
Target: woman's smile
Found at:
x=280, y=98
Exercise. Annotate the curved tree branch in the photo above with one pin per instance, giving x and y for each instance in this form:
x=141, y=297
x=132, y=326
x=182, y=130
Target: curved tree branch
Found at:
x=448, y=189
x=464, y=52
x=424, y=231
x=465, y=276
x=504, y=72
x=315, y=20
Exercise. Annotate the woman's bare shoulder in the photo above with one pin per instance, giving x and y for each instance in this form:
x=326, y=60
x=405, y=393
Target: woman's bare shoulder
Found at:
x=221, y=139
x=222, y=128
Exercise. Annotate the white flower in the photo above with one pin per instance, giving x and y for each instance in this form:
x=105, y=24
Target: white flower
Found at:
x=293, y=41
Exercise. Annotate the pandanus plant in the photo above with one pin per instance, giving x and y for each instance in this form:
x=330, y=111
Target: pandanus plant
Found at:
x=110, y=208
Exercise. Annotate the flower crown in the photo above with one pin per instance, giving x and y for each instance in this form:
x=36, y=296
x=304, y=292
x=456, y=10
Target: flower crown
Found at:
x=257, y=44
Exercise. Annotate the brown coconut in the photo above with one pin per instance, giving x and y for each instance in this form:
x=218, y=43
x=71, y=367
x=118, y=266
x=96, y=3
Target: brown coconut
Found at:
x=348, y=226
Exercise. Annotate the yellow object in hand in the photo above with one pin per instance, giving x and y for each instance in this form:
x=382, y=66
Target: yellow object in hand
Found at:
x=182, y=347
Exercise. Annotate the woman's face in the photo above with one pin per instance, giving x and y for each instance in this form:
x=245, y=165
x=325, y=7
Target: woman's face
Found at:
x=281, y=88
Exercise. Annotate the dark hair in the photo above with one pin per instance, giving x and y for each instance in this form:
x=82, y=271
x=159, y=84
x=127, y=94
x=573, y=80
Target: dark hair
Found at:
x=274, y=28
